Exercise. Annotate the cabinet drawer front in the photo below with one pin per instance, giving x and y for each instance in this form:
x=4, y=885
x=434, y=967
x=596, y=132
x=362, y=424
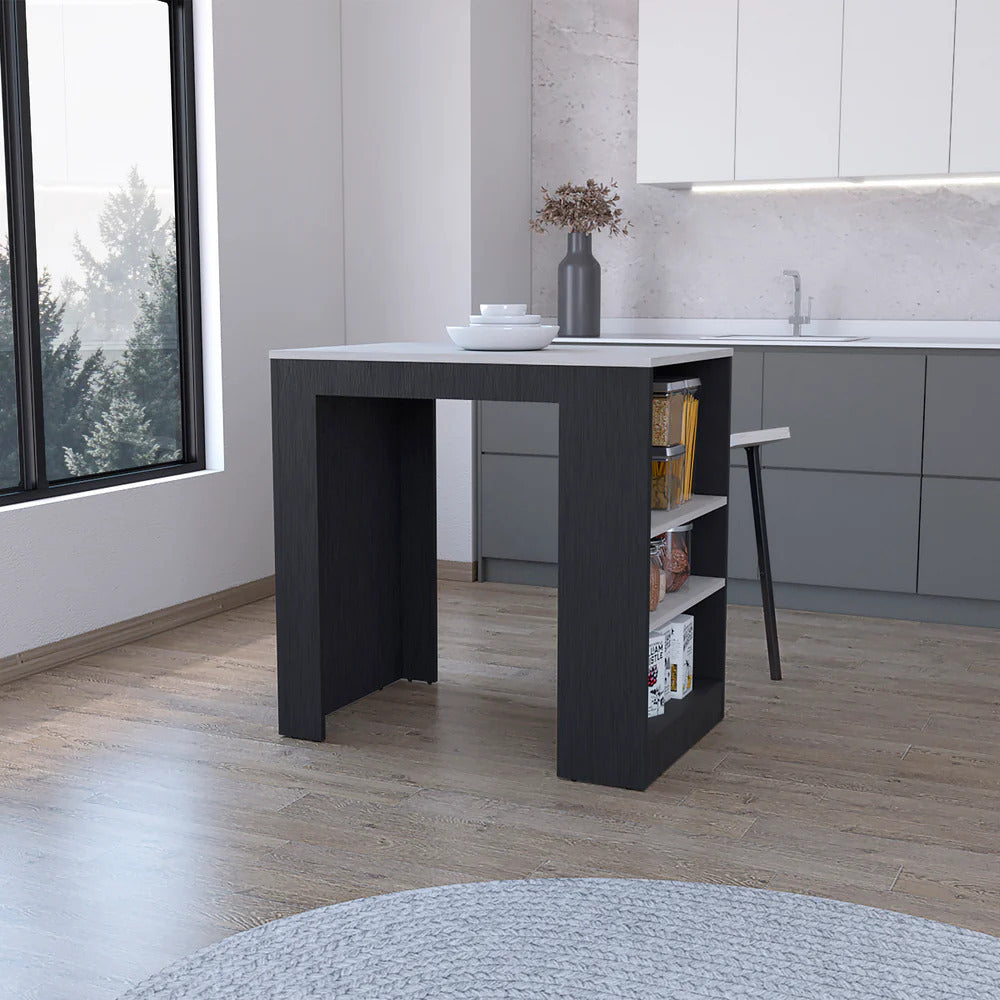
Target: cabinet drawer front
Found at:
x=850, y=411
x=748, y=389
x=520, y=428
x=962, y=422
x=842, y=529
x=960, y=539
x=519, y=498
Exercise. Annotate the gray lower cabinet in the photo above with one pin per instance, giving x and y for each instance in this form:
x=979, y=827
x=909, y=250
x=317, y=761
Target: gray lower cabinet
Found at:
x=742, y=541
x=519, y=428
x=962, y=425
x=835, y=529
x=519, y=508
x=846, y=505
x=851, y=411
x=748, y=388
x=960, y=538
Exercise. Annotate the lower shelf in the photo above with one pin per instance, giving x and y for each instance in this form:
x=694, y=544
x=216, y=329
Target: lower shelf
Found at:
x=694, y=591
x=683, y=723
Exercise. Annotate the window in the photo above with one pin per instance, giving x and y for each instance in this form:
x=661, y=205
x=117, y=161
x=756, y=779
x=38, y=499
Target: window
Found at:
x=100, y=347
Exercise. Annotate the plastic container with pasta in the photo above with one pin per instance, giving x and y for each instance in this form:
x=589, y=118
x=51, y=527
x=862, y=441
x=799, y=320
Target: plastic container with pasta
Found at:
x=667, y=482
x=668, y=413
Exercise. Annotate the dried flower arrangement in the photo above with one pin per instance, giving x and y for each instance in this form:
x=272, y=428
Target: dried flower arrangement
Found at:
x=582, y=208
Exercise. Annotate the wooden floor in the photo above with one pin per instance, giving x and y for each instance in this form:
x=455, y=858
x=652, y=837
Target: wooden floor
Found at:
x=148, y=807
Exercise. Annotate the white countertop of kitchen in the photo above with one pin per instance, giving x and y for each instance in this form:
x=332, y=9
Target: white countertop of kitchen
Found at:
x=744, y=340
x=587, y=355
x=980, y=335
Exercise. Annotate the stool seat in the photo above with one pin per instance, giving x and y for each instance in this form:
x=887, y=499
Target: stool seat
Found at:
x=747, y=439
x=752, y=441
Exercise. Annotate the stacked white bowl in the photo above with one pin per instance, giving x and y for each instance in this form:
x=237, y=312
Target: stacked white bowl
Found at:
x=503, y=327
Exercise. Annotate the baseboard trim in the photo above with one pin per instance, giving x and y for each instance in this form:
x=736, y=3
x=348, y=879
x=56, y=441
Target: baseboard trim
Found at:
x=462, y=572
x=55, y=654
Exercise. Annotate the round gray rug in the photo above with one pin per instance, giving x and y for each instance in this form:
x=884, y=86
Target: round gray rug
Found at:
x=579, y=939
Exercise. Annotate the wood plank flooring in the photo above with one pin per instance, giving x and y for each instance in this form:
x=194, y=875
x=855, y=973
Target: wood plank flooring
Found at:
x=147, y=806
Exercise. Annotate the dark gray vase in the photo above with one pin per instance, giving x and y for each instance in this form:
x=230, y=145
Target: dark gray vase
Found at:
x=579, y=289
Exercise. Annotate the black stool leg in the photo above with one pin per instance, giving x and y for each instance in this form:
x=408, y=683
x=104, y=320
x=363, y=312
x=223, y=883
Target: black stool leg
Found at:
x=764, y=561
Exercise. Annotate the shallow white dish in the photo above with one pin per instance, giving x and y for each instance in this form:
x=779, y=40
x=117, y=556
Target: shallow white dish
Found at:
x=504, y=320
x=487, y=337
x=503, y=309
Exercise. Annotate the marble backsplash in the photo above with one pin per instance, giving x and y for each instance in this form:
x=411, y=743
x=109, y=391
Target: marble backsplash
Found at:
x=865, y=254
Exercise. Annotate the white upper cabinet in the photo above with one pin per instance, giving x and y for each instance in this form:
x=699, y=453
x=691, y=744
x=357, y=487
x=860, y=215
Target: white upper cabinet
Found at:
x=687, y=91
x=896, y=100
x=975, y=129
x=788, y=89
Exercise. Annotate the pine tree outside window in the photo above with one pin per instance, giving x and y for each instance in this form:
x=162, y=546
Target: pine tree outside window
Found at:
x=100, y=353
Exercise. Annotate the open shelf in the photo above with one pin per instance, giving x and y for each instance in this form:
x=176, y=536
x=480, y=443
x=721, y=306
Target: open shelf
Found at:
x=696, y=507
x=683, y=723
x=693, y=592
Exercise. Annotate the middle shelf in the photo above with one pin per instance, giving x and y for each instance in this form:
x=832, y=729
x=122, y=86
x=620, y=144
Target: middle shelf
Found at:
x=697, y=506
x=694, y=591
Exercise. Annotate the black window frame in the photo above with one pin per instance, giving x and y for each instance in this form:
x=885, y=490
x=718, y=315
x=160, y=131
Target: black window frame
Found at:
x=24, y=268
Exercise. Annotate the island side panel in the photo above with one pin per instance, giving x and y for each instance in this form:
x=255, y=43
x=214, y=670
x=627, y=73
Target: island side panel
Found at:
x=362, y=496
x=604, y=469
x=418, y=548
x=296, y=544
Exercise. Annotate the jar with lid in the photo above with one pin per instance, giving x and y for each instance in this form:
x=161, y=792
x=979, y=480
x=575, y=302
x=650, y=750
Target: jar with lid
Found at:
x=667, y=480
x=655, y=572
x=668, y=413
x=675, y=556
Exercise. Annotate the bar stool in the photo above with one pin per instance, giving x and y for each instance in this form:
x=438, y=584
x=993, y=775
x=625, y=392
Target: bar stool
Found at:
x=751, y=441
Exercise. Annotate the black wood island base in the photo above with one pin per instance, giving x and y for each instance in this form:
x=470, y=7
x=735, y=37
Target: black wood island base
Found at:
x=355, y=534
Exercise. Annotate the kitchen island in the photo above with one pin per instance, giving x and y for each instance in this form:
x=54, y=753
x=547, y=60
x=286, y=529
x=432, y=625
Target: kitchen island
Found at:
x=355, y=534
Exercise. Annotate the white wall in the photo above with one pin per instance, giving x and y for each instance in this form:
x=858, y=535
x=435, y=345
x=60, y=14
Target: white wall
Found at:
x=501, y=151
x=407, y=198
x=77, y=563
x=870, y=254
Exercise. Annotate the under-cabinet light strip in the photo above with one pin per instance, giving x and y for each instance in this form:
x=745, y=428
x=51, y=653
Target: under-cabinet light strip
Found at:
x=944, y=180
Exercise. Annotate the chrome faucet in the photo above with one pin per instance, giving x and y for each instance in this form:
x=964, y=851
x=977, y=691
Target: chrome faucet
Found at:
x=797, y=319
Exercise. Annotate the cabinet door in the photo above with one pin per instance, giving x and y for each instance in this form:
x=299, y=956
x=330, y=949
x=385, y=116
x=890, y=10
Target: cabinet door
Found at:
x=848, y=410
x=520, y=508
x=520, y=428
x=960, y=539
x=742, y=540
x=975, y=124
x=962, y=416
x=896, y=103
x=838, y=529
x=687, y=91
x=748, y=384
x=788, y=89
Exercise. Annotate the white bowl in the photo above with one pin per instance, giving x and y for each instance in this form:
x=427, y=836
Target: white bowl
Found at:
x=503, y=310
x=502, y=338
x=504, y=320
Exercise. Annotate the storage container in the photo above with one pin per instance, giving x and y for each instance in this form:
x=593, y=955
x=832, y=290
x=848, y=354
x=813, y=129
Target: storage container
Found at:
x=675, y=557
x=689, y=435
x=667, y=477
x=655, y=574
x=668, y=413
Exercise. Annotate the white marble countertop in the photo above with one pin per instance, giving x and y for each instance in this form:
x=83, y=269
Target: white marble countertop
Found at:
x=588, y=354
